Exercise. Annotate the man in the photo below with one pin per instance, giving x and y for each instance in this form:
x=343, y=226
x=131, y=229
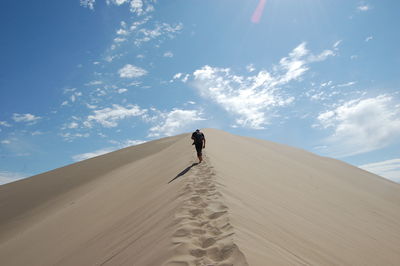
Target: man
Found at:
x=199, y=141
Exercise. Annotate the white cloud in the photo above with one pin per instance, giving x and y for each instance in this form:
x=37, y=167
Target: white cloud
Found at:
x=160, y=30
x=88, y=3
x=117, y=2
x=108, y=117
x=4, y=124
x=94, y=83
x=389, y=169
x=6, y=141
x=72, y=125
x=180, y=76
x=28, y=118
x=71, y=136
x=168, y=54
x=122, y=32
x=362, y=125
x=177, y=76
x=175, y=122
x=139, y=7
x=90, y=106
x=348, y=84
x=130, y=142
x=122, y=90
x=74, y=96
x=252, y=99
x=364, y=7
x=249, y=98
x=36, y=133
x=88, y=155
x=7, y=177
x=250, y=68
x=120, y=145
x=369, y=38
x=336, y=44
x=119, y=40
x=131, y=71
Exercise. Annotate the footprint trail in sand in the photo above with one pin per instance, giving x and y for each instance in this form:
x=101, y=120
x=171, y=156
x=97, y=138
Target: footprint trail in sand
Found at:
x=204, y=236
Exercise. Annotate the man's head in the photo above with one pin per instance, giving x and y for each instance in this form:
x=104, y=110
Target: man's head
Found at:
x=197, y=130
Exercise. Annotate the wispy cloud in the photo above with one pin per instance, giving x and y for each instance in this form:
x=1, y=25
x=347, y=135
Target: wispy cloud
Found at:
x=7, y=177
x=180, y=76
x=4, y=124
x=369, y=38
x=88, y=155
x=88, y=3
x=159, y=30
x=138, y=7
x=131, y=71
x=69, y=136
x=109, y=117
x=250, y=68
x=363, y=7
x=118, y=145
x=94, y=83
x=26, y=118
x=361, y=125
x=348, y=84
x=168, y=54
x=389, y=169
x=175, y=122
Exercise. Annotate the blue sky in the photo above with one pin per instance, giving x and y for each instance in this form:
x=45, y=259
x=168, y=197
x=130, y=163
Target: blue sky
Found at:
x=82, y=78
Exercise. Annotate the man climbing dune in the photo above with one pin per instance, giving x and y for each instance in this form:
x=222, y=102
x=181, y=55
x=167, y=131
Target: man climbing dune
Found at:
x=199, y=141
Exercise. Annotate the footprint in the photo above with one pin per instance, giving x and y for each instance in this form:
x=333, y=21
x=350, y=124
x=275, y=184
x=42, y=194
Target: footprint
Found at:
x=177, y=263
x=216, y=215
x=214, y=230
x=198, y=253
x=208, y=242
x=217, y=254
x=201, y=191
x=195, y=199
x=196, y=212
x=198, y=231
x=181, y=233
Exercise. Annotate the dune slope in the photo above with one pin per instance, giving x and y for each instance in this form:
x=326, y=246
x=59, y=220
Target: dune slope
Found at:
x=251, y=202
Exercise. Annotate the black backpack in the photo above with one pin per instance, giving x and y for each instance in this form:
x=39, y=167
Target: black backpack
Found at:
x=198, y=137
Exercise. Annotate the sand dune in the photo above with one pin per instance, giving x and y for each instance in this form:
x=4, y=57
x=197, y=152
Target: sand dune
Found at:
x=251, y=202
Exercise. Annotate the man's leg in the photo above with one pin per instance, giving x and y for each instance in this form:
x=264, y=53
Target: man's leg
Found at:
x=199, y=155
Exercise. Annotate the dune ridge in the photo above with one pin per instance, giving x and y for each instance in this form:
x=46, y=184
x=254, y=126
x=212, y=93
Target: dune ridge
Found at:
x=251, y=202
x=205, y=235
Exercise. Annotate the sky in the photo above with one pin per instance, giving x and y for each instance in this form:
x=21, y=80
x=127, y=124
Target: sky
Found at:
x=83, y=78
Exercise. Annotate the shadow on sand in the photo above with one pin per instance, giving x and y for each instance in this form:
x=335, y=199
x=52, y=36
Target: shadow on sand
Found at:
x=183, y=172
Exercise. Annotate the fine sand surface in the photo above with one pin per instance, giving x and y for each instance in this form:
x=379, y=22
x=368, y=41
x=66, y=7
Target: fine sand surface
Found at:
x=251, y=202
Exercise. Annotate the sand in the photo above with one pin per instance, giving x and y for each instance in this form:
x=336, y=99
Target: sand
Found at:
x=251, y=202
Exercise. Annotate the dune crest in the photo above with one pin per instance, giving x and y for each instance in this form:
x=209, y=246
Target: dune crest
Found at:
x=251, y=202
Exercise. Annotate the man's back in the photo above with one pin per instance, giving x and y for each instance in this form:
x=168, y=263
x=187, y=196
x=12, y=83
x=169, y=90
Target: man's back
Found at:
x=198, y=137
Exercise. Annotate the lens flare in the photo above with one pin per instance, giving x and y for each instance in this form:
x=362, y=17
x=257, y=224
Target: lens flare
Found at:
x=258, y=12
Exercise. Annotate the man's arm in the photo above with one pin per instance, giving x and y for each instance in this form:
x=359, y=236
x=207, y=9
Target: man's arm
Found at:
x=204, y=143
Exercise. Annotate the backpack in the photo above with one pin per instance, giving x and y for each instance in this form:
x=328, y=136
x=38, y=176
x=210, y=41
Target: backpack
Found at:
x=198, y=137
